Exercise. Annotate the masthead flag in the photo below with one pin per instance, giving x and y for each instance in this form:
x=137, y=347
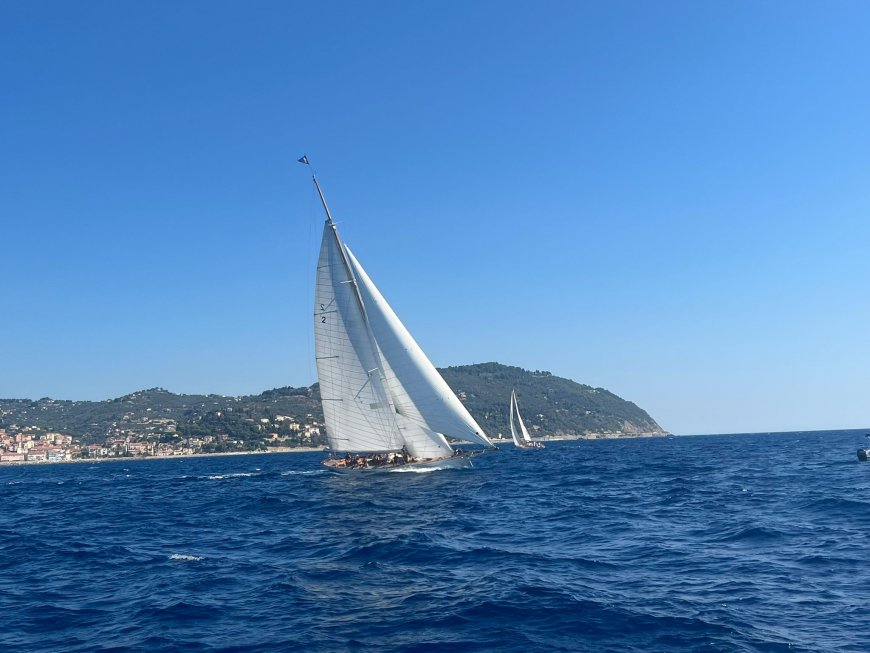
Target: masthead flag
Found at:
x=304, y=160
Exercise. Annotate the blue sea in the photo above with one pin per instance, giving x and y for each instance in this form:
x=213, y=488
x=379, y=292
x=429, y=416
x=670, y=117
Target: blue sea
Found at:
x=703, y=543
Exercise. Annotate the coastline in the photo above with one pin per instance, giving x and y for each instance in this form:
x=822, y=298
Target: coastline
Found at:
x=588, y=436
x=127, y=459
x=601, y=436
x=276, y=450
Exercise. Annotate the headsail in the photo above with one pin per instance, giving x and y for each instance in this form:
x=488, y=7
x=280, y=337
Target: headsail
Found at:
x=418, y=392
x=356, y=407
x=422, y=442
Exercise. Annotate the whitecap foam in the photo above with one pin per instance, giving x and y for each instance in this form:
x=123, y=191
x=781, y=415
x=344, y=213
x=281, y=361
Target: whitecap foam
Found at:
x=219, y=477
x=185, y=557
x=294, y=472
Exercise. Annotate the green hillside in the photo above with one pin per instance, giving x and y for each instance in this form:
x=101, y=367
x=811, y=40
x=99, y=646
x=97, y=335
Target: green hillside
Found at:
x=550, y=406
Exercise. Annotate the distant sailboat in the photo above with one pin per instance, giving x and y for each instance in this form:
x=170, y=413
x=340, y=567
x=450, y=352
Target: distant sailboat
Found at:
x=519, y=433
x=384, y=403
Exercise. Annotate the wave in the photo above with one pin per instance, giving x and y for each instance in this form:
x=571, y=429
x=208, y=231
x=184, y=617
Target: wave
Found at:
x=185, y=557
x=751, y=534
x=839, y=505
x=178, y=612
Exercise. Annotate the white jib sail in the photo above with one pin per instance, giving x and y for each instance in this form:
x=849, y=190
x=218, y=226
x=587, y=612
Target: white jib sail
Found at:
x=356, y=406
x=421, y=442
x=523, y=429
x=418, y=391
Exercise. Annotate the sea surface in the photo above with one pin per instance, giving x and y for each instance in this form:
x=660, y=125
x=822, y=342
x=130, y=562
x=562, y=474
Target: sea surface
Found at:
x=703, y=543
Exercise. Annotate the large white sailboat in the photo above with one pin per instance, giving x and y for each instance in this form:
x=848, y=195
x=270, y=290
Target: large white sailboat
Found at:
x=519, y=432
x=384, y=403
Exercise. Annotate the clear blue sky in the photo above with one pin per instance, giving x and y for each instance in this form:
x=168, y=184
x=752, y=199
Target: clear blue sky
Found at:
x=667, y=199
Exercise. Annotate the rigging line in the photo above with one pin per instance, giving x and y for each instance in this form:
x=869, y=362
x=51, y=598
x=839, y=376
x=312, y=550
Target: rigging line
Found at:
x=363, y=386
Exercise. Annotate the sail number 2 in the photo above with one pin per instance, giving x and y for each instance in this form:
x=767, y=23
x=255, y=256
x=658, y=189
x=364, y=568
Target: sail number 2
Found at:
x=323, y=311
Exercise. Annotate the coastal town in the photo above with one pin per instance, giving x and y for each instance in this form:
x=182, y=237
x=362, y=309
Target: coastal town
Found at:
x=150, y=437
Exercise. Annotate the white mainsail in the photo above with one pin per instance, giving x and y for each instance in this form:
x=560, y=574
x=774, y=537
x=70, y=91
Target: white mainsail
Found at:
x=522, y=432
x=356, y=406
x=418, y=392
x=514, y=434
x=379, y=391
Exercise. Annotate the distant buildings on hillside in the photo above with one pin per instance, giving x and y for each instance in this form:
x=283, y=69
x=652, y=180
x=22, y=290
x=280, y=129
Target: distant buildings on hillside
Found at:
x=152, y=437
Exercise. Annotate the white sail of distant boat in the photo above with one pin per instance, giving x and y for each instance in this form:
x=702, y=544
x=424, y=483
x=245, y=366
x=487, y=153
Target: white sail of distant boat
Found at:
x=519, y=432
x=384, y=403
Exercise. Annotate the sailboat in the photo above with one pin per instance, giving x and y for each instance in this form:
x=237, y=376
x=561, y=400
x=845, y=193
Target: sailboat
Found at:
x=519, y=433
x=864, y=452
x=384, y=404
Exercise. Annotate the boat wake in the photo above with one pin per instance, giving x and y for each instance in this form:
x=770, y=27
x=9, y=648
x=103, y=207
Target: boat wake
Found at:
x=417, y=470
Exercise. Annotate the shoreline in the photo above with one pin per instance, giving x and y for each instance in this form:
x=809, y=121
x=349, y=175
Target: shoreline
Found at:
x=276, y=450
x=127, y=459
x=588, y=436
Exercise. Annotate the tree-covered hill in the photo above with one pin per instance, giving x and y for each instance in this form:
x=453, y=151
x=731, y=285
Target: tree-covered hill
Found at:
x=550, y=406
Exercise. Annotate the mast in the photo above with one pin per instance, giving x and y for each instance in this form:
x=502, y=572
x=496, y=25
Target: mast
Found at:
x=322, y=199
x=304, y=160
x=334, y=227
